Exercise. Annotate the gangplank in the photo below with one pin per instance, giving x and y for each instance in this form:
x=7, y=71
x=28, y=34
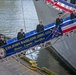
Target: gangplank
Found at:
x=34, y=39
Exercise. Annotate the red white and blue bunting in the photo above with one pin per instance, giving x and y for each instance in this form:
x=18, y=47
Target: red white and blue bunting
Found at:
x=68, y=7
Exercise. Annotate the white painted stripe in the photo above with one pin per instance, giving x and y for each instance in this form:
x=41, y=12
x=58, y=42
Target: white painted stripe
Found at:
x=66, y=6
x=66, y=21
x=63, y=5
x=68, y=26
x=51, y=27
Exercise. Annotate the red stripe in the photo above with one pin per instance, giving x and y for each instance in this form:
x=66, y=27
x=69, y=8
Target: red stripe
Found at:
x=69, y=29
x=61, y=7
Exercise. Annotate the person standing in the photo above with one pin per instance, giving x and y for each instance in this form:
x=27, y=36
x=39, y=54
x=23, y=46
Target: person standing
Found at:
x=2, y=41
x=40, y=27
x=73, y=15
x=20, y=34
x=59, y=20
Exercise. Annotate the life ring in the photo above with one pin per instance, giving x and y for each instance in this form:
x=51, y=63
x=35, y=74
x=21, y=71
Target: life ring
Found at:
x=2, y=52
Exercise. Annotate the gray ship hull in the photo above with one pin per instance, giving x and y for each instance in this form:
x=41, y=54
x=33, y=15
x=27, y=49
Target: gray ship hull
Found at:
x=65, y=46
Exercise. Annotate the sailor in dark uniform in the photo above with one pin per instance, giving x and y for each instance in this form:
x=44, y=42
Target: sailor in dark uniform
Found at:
x=2, y=41
x=73, y=15
x=40, y=27
x=20, y=34
x=59, y=20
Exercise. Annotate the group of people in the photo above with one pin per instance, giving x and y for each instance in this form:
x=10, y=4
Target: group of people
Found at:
x=59, y=20
x=39, y=28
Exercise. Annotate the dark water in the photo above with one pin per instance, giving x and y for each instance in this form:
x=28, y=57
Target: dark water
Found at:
x=46, y=59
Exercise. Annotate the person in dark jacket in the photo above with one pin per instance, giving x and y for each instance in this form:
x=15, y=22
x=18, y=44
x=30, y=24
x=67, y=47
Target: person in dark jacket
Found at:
x=59, y=20
x=2, y=41
x=73, y=1
x=40, y=27
x=20, y=34
x=73, y=15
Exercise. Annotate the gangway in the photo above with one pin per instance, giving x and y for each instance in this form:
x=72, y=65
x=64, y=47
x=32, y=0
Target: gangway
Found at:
x=34, y=39
x=39, y=38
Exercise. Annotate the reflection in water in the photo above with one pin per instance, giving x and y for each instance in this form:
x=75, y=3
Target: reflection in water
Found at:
x=11, y=16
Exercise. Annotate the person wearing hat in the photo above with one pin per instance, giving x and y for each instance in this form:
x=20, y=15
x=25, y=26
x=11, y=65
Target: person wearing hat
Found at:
x=59, y=20
x=20, y=34
x=40, y=27
x=2, y=41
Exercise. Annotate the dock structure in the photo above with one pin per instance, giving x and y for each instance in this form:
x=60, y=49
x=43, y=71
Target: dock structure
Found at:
x=11, y=66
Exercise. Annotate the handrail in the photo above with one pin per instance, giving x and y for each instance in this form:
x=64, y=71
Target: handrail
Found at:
x=68, y=22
